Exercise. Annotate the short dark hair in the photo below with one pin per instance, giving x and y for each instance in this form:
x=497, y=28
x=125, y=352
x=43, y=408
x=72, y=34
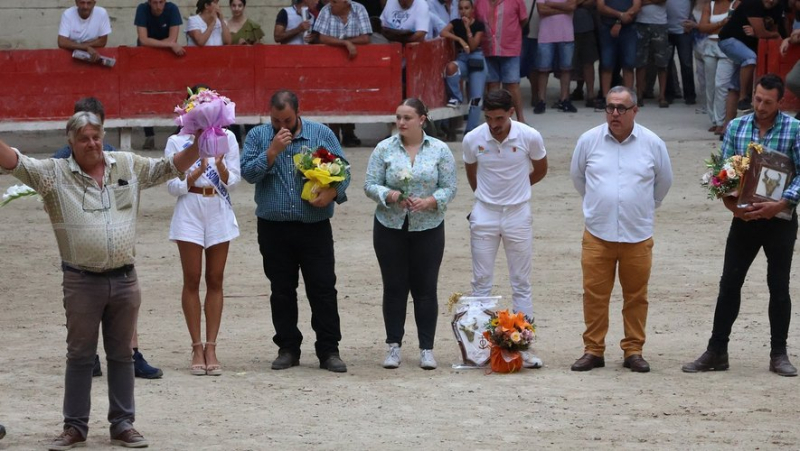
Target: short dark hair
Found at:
x=201, y=5
x=282, y=98
x=499, y=99
x=91, y=105
x=770, y=82
x=244, y=2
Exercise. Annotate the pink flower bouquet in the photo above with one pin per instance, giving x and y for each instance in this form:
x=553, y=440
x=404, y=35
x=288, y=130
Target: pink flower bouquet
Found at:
x=208, y=111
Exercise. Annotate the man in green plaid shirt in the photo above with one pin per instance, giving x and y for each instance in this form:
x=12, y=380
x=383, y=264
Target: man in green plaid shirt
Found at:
x=755, y=227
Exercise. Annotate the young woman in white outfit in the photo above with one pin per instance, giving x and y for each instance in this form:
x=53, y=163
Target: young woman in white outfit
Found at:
x=204, y=223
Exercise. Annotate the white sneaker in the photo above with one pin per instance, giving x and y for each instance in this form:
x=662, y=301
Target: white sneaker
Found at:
x=392, y=356
x=426, y=360
x=453, y=103
x=529, y=360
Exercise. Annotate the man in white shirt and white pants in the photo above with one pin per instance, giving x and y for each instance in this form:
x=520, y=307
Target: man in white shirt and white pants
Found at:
x=503, y=159
x=84, y=27
x=622, y=171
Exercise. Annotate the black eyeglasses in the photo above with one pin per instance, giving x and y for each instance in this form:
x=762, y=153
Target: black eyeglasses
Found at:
x=622, y=109
x=103, y=203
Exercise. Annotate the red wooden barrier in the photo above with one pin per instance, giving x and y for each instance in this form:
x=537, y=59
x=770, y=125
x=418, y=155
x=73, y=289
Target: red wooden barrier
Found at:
x=44, y=84
x=146, y=83
x=425, y=63
x=770, y=60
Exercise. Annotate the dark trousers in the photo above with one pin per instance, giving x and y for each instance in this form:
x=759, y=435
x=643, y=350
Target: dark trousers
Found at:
x=745, y=238
x=287, y=248
x=409, y=262
x=89, y=302
x=682, y=43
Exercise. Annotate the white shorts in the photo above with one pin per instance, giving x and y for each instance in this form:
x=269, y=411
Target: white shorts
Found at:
x=205, y=221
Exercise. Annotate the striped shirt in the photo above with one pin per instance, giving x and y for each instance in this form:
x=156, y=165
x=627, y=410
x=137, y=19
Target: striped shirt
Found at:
x=783, y=137
x=95, y=227
x=278, y=187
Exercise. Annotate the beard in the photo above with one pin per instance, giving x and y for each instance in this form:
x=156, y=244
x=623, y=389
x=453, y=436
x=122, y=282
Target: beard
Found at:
x=293, y=130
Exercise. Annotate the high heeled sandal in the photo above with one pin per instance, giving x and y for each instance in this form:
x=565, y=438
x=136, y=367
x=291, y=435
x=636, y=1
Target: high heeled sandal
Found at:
x=198, y=369
x=215, y=369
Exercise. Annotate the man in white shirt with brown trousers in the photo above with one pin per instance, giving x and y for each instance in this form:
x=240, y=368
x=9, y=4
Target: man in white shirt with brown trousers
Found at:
x=622, y=171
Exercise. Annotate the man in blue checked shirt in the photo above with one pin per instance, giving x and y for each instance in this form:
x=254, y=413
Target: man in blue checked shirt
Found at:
x=755, y=227
x=294, y=234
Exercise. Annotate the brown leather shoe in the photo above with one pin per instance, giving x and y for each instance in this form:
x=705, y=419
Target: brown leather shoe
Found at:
x=637, y=364
x=781, y=366
x=709, y=361
x=130, y=438
x=588, y=362
x=69, y=438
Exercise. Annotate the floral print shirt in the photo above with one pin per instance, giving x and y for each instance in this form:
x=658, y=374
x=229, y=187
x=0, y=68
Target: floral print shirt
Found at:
x=432, y=174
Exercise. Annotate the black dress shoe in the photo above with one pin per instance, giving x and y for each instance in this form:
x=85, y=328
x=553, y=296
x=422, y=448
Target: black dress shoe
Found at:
x=285, y=360
x=637, y=364
x=709, y=361
x=333, y=363
x=588, y=362
x=781, y=366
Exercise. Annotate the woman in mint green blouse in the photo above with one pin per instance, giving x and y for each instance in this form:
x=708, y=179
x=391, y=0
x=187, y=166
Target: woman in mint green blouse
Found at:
x=412, y=177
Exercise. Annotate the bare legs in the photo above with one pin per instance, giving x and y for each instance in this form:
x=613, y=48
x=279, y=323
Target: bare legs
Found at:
x=191, y=262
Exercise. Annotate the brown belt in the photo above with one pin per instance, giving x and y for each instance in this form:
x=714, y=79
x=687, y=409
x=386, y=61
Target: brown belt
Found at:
x=208, y=191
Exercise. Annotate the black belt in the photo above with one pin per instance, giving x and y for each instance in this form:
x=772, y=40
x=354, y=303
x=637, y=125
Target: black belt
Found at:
x=116, y=272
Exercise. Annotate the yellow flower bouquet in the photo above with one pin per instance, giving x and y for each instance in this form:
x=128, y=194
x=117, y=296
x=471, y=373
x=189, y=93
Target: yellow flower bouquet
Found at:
x=320, y=168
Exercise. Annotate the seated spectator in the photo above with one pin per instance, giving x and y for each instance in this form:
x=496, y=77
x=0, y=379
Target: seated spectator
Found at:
x=468, y=33
x=84, y=27
x=207, y=27
x=290, y=28
x=405, y=21
x=158, y=24
x=243, y=30
x=738, y=39
x=556, y=48
x=343, y=23
x=617, y=42
x=793, y=77
x=502, y=45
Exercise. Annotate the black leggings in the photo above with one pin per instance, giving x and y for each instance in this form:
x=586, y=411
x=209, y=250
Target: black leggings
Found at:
x=409, y=261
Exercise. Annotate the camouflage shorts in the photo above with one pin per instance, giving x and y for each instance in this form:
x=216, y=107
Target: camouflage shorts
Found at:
x=652, y=45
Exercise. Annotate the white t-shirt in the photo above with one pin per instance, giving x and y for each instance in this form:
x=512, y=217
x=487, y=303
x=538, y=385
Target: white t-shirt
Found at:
x=416, y=18
x=80, y=30
x=622, y=183
x=503, y=167
x=197, y=23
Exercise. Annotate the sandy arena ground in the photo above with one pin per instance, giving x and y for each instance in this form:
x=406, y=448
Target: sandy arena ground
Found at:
x=251, y=407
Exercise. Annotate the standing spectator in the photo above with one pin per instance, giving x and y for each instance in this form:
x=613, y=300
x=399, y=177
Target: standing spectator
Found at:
x=755, y=227
x=653, y=43
x=622, y=171
x=84, y=27
x=290, y=28
x=412, y=177
x=617, y=36
x=467, y=32
x=342, y=23
x=718, y=68
x=556, y=43
x=503, y=159
x=293, y=234
x=158, y=24
x=447, y=10
x=405, y=21
x=502, y=45
x=738, y=39
x=243, y=30
x=793, y=77
x=203, y=224
x=530, y=43
x=207, y=27
x=678, y=12
x=586, y=53
x=93, y=199
x=699, y=42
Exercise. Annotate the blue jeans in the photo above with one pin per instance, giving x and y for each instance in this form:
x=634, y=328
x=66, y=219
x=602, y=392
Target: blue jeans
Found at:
x=502, y=69
x=741, y=55
x=619, y=51
x=549, y=53
x=475, y=86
